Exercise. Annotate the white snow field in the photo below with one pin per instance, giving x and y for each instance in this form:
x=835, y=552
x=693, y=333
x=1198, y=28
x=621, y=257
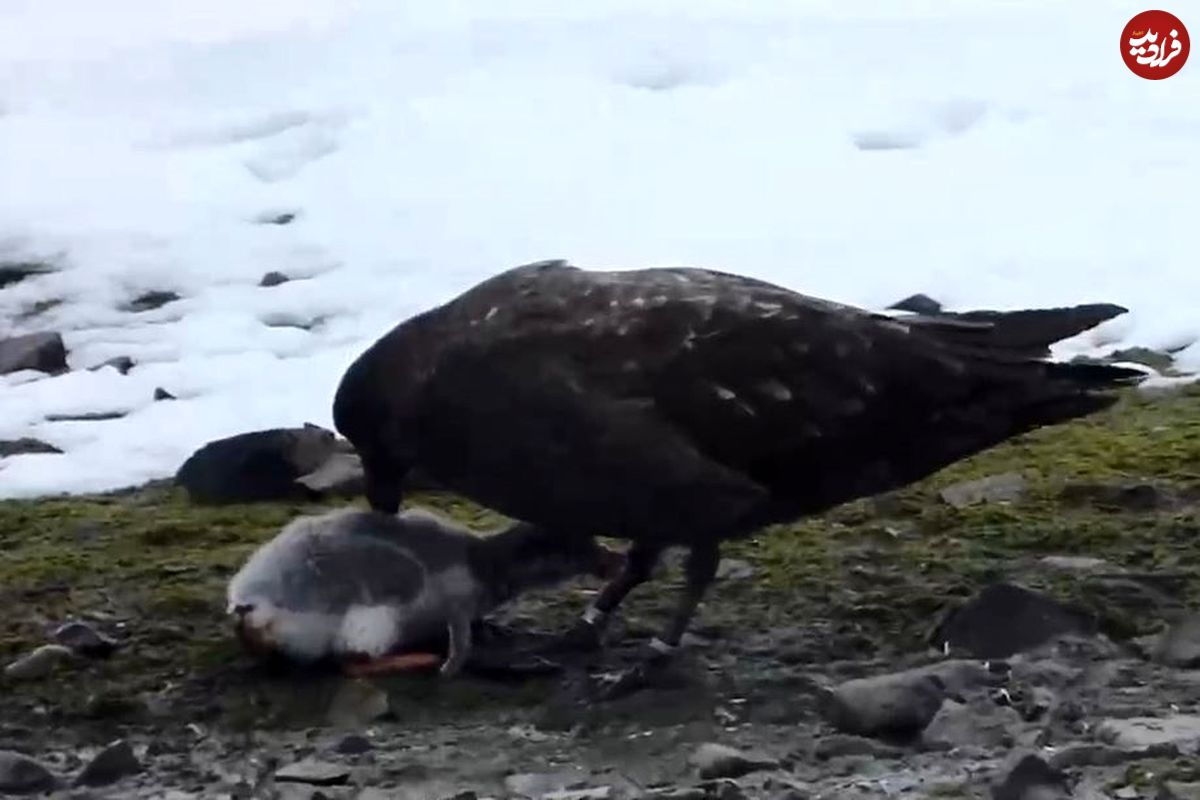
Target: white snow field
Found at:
x=990, y=154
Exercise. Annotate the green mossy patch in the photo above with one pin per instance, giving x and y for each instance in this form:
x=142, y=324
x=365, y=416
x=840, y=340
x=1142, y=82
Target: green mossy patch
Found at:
x=868, y=578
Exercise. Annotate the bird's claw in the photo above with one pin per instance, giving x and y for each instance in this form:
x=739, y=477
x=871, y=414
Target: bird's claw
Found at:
x=644, y=675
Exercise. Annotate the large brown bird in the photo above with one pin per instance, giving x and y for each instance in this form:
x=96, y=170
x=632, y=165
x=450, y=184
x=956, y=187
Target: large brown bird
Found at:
x=683, y=406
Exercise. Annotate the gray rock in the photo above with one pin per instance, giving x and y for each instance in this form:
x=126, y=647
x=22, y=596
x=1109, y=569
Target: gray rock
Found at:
x=1102, y=755
x=902, y=703
x=25, y=445
x=260, y=466
x=162, y=394
x=38, y=664
x=1180, y=645
x=1178, y=790
x=84, y=640
x=537, y=784
x=273, y=279
x=313, y=773
x=840, y=745
x=734, y=569
x=356, y=704
x=114, y=762
x=592, y=793
x=1182, y=730
x=14, y=272
x=678, y=793
x=1032, y=779
x=341, y=475
x=150, y=301
x=1005, y=619
x=20, y=774
x=44, y=352
x=1005, y=488
x=1077, y=564
x=981, y=723
x=713, y=760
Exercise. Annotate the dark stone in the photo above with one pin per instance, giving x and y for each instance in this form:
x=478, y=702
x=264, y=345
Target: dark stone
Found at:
x=713, y=760
x=1005, y=619
x=273, y=279
x=981, y=723
x=260, y=466
x=44, y=352
x=1032, y=778
x=15, y=272
x=114, y=762
x=88, y=416
x=277, y=218
x=354, y=744
x=84, y=640
x=20, y=774
x=162, y=394
x=1123, y=497
x=122, y=364
x=313, y=773
x=24, y=445
x=918, y=304
x=899, y=705
x=1103, y=755
x=150, y=301
x=840, y=745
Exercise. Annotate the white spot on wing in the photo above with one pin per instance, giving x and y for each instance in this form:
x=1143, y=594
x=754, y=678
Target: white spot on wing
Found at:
x=775, y=389
x=492, y=312
x=724, y=393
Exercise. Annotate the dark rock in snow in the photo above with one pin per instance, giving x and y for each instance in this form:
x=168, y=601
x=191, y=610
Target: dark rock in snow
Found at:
x=150, y=301
x=20, y=774
x=84, y=640
x=918, y=304
x=1005, y=619
x=713, y=760
x=121, y=364
x=273, y=279
x=1032, y=779
x=1180, y=645
x=1005, y=488
x=258, y=466
x=87, y=416
x=313, y=773
x=276, y=217
x=114, y=762
x=44, y=352
x=24, y=445
x=14, y=272
x=162, y=394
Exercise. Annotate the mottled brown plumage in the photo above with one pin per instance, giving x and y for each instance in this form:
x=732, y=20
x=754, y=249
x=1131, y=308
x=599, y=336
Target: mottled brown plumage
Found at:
x=687, y=406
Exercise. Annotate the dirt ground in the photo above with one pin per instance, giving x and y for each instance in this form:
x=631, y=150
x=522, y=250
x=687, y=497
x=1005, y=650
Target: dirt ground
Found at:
x=1103, y=515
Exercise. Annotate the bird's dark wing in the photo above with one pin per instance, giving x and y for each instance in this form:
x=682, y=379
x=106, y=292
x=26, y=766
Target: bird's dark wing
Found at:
x=685, y=374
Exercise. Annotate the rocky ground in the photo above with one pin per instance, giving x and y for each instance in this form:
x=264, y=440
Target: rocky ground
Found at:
x=997, y=631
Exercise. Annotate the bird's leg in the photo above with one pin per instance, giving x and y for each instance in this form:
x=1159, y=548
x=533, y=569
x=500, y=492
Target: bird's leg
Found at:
x=460, y=644
x=700, y=571
x=639, y=565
